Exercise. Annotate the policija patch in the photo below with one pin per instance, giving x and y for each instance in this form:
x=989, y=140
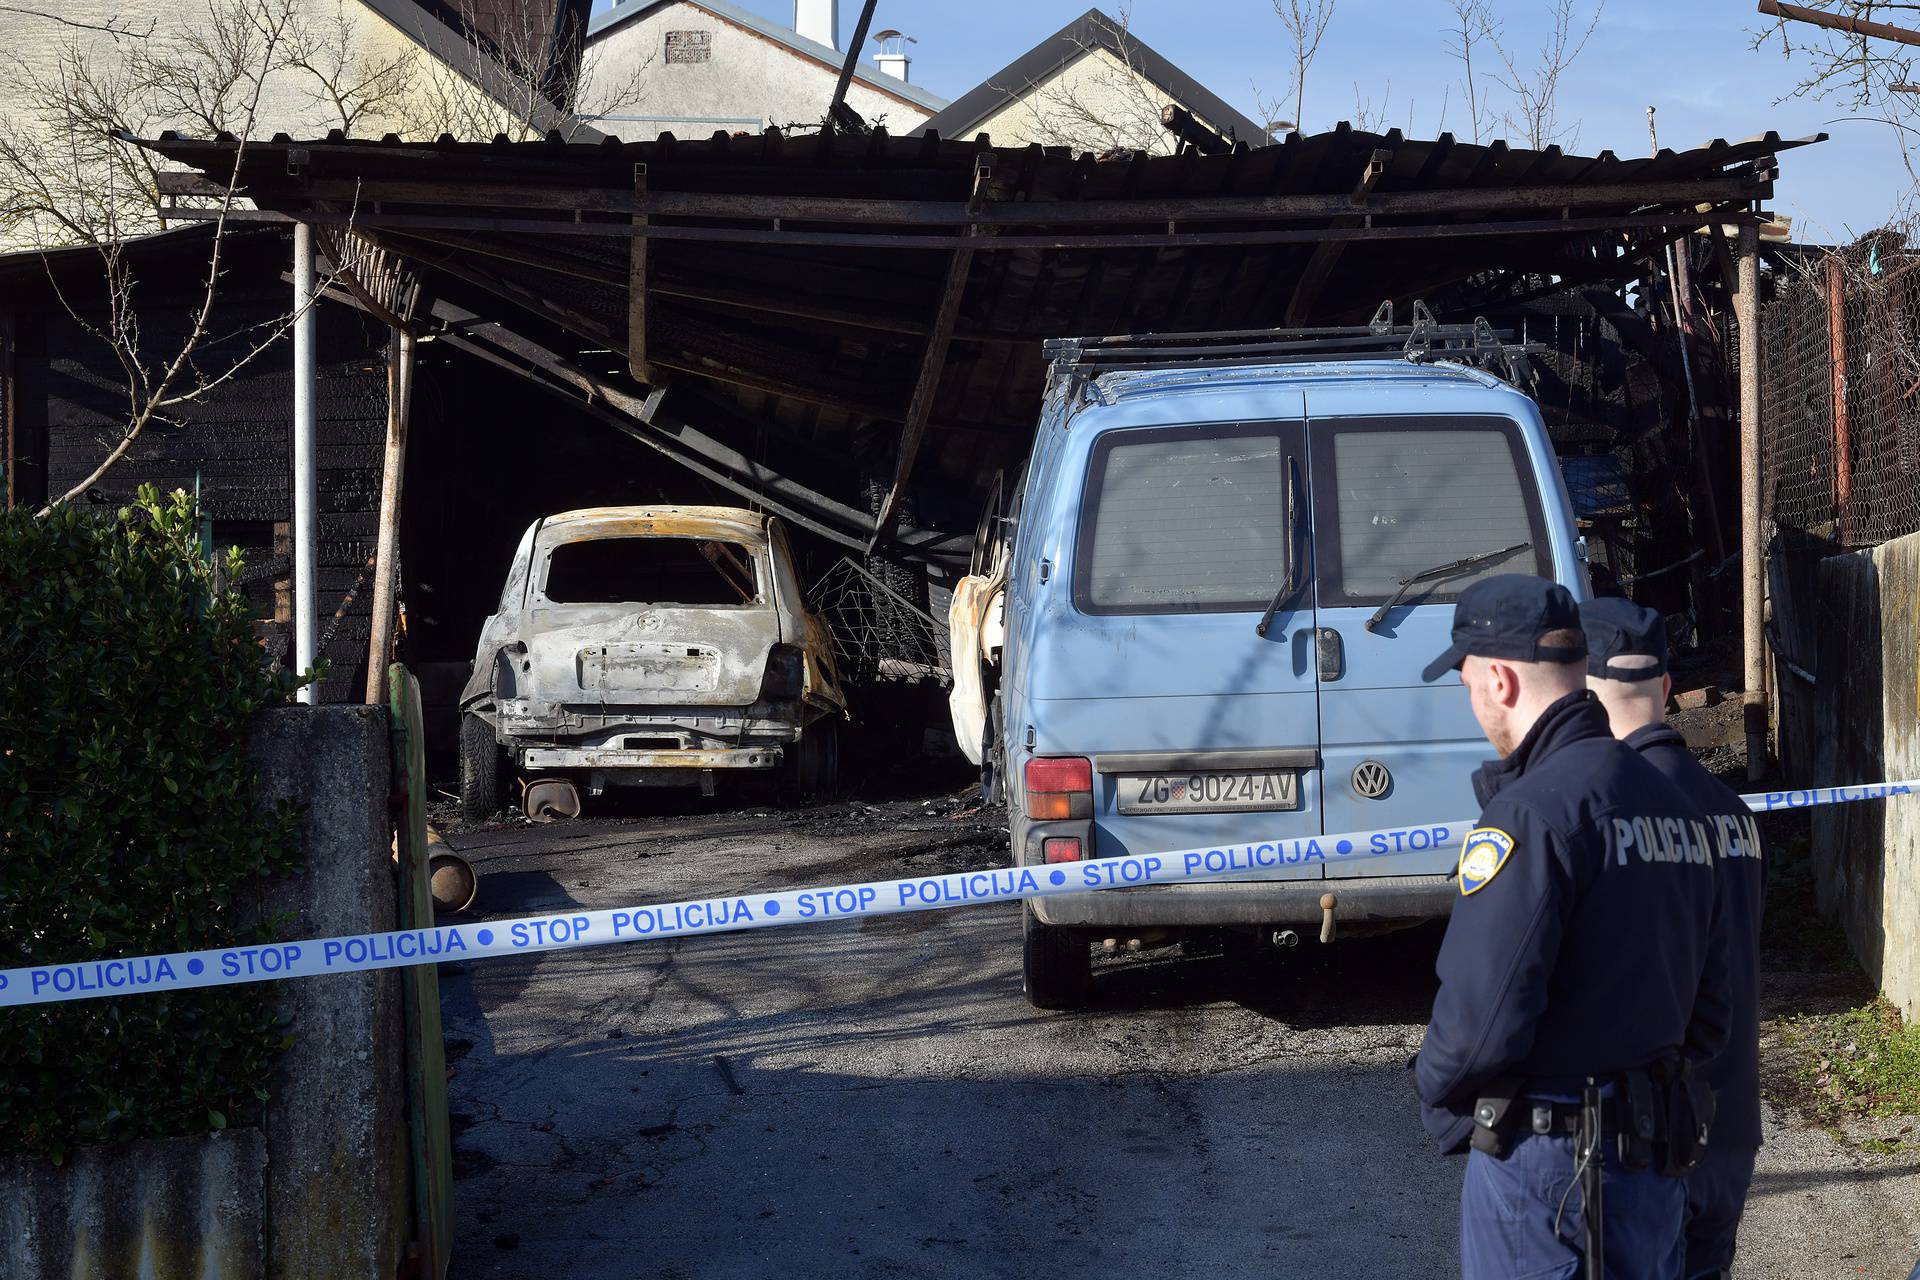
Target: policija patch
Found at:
x=1483, y=854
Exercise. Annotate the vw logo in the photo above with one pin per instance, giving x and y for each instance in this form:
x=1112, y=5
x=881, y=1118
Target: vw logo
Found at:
x=1371, y=780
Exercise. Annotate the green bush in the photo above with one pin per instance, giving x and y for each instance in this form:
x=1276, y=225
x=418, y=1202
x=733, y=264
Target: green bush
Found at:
x=128, y=677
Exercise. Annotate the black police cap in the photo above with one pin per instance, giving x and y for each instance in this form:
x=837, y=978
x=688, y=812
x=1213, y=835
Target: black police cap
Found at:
x=1506, y=616
x=1618, y=628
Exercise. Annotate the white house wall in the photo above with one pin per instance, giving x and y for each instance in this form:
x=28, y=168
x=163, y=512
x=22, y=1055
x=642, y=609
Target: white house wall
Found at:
x=1093, y=103
x=747, y=82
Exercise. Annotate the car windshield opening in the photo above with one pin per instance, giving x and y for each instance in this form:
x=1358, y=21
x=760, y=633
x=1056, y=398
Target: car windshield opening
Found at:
x=1185, y=522
x=703, y=572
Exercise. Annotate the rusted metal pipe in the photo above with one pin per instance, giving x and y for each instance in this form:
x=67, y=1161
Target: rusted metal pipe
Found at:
x=1752, y=553
x=1839, y=22
x=392, y=476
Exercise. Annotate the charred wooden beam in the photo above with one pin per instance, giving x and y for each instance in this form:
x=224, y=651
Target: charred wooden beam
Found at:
x=1326, y=254
x=1180, y=122
x=637, y=293
x=1738, y=214
x=939, y=339
x=1751, y=183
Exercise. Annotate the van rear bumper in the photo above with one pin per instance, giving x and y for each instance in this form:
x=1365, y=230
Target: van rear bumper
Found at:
x=1255, y=902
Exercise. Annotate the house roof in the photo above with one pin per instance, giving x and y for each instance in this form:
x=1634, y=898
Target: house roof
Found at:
x=866, y=73
x=432, y=34
x=1091, y=30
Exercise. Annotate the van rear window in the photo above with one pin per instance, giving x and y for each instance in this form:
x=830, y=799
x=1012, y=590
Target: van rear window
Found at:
x=1407, y=495
x=660, y=570
x=1184, y=520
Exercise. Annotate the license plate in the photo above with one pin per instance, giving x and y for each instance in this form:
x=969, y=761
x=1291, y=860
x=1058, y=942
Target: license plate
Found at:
x=1209, y=791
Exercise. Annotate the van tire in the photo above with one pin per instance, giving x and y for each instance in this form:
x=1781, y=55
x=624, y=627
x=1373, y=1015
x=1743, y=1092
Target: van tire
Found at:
x=1056, y=964
x=483, y=769
x=816, y=761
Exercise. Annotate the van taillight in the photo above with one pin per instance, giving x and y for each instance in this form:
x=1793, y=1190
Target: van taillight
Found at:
x=1060, y=849
x=1059, y=787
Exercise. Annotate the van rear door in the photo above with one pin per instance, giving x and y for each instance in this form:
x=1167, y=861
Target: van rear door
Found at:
x=1201, y=731
x=1393, y=497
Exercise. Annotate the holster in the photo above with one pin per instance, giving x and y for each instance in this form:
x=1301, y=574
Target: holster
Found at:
x=1495, y=1119
x=1641, y=1120
x=1690, y=1110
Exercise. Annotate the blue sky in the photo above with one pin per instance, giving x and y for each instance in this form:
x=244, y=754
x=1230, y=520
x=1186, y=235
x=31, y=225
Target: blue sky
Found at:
x=1691, y=59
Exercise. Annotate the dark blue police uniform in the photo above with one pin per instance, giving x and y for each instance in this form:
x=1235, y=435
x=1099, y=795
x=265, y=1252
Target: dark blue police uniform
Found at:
x=1717, y=1188
x=1581, y=947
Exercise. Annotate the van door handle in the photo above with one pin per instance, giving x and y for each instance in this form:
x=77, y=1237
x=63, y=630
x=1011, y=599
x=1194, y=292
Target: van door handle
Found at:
x=1330, y=652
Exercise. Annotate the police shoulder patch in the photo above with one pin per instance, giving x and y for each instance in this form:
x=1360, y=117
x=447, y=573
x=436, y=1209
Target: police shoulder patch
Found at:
x=1482, y=855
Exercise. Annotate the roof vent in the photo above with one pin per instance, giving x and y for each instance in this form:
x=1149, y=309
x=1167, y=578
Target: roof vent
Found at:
x=892, y=59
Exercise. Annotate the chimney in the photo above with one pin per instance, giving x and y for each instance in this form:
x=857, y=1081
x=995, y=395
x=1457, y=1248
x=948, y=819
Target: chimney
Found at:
x=892, y=58
x=818, y=20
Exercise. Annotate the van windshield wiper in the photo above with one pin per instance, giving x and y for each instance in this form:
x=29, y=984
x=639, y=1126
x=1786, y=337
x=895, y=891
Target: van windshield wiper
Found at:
x=1452, y=569
x=1296, y=553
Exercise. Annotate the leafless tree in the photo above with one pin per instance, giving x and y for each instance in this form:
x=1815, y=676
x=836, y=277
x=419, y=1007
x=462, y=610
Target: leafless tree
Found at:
x=1535, y=89
x=351, y=86
x=1104, y=103
x=1473, y=25
x=1306, y=23
x=1870, y=77
x=68, y=176
x=512, y=78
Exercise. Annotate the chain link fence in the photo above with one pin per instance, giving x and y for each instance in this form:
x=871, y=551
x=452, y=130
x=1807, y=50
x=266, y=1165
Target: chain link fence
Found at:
x=1840, y=408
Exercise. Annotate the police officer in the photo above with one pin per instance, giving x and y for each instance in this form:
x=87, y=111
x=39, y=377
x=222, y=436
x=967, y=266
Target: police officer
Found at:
x=1627, y=669
x=1577, y=960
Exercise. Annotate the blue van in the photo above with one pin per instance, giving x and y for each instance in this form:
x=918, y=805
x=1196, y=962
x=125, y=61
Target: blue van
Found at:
x=1200, y=619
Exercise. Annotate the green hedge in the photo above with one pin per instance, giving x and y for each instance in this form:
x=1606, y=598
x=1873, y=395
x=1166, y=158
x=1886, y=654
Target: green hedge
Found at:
x=128, y=677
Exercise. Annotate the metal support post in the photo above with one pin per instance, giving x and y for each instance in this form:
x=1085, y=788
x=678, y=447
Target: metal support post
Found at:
x=386, y=581
x=305, y=491
x=1752, y=553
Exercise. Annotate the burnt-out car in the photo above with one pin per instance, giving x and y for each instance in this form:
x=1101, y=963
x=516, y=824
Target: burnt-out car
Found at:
x=648, y=646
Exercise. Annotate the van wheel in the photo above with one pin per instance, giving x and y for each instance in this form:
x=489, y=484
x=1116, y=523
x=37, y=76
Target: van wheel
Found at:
x=1056, y=964
x=816, y=760
x=483, y=769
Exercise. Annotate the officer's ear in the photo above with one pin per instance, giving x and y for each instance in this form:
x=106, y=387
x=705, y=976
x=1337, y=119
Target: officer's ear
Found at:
x=1503, y=683
x=1666, y=689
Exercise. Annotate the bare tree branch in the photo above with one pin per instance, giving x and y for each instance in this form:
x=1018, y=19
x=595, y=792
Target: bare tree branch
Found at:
x=1535, y=114
x=112, y=26
x=1473, y=24
x=1305, y=22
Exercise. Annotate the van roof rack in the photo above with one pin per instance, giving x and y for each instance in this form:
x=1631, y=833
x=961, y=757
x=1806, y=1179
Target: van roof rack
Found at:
x=1420, y=342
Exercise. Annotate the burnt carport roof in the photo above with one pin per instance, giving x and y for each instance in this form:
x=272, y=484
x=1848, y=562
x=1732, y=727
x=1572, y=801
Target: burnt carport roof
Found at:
x=840, y=291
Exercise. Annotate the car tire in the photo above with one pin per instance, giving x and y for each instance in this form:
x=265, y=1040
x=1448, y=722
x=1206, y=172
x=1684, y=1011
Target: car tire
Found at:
x=483, y=772
x=816, y=768
x=1056, y=964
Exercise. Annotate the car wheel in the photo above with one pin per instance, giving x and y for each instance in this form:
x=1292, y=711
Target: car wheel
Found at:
x=816, y=774
x=1056, y=964
x=483, y=771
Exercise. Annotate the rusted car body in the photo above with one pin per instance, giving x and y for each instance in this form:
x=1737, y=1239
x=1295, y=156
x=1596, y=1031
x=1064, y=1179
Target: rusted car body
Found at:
x=650, y=646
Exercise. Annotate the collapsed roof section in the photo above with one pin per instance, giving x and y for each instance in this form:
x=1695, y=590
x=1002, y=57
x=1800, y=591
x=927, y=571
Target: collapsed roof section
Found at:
x=832, y=296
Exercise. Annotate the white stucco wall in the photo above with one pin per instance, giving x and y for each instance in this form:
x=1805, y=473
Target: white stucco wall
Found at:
x=291, y=100
x=747, y=83
x=1094, y=103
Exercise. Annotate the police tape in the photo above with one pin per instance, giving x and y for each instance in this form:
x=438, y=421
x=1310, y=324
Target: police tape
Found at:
x=526, y=935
